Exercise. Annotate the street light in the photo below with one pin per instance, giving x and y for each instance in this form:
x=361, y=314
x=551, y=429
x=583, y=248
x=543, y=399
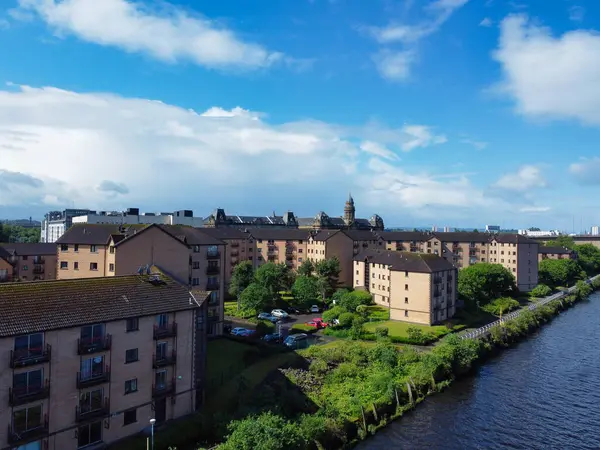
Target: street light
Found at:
x=152, y=422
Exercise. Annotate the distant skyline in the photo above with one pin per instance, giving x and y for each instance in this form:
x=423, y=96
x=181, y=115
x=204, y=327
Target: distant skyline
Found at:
x=445, y=112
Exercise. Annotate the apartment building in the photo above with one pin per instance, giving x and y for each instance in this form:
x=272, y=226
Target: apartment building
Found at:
x=416, y=287
x=344, y=245
x=185, y=254
x=280, y=246
x=91, y=361
x=555, y=253
x=29, y=261
x=55, y=223
x=88, y=251
x=518, y=254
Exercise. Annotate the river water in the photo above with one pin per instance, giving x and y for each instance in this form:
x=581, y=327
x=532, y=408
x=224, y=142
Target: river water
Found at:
x=542, y=394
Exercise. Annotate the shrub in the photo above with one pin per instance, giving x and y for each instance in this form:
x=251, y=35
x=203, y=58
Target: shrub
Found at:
x=382, y=331
x=264, y=327
x=540, y=291
x=302, y=328
x=417, y=336
x=346, y=319
x=333, y=313
x=501, y=306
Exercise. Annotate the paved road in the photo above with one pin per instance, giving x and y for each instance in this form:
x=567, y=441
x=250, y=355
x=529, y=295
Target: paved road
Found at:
x=293, y=319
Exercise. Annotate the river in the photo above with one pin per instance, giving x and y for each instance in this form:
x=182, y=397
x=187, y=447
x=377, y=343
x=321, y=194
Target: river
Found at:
x=542, y=394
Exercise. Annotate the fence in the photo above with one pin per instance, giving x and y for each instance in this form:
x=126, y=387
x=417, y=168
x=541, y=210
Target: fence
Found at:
x=474, y=334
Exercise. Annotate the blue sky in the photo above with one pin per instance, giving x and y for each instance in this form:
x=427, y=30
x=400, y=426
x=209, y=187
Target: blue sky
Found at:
x=445, y=112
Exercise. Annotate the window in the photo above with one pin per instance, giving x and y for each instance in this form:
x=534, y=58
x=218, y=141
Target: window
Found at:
x=64, y=248
x=76, y=265
x=161, y=348
x=30, y=345
x=406, y=287
x=89, y=434
x=299, y=260
x=129, y=416
x=300, y=241
x=92, y=334
x=111, y=249
x=131, y=355
x=196, y=265
x=93, y=266
x=64, y=265
x=162, y=320
x=132, y=324
x=299, y=250
x=93, y=249
x=405, y=299
x=160, y=379
x=92, y=368
x=28, y=382
x=76, y=247
x=27, y=419
x=91, y=401
x=406, y=273
x=260, y=241
x=131, y=386
x=111, y=267
x=25, y=257
x=195, y=281
x=406, y=313
x=356, y=281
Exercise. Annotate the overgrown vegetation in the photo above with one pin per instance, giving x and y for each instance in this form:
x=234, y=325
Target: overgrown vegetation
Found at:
x=16, y=233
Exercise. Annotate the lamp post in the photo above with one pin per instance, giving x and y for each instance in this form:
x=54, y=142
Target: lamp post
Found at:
x=152, y=422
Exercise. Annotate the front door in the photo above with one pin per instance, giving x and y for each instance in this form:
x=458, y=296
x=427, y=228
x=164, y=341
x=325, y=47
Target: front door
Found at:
x=160, y=410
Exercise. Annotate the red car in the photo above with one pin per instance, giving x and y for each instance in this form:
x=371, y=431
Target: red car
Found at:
x=316, y=323
x=320, y=322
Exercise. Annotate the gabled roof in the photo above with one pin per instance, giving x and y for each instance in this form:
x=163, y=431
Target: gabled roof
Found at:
x=362, y=235
x=324, y=235
x=463, y=236
x=406, y=261
x=405, y=236
x=555, y=250
x=190, y=235
x=49, y=305
x=97, y=234
x=513, y=239
x=29, y=249
x=280, y=234
x=226, y=233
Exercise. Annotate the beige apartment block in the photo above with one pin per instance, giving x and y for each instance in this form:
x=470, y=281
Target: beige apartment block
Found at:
x=344, y=245
x=519, y=254
x=555, y=253
x=29, y=261
x=286, y=246
x=88, y=362
x=184, y=253
x=416, y=287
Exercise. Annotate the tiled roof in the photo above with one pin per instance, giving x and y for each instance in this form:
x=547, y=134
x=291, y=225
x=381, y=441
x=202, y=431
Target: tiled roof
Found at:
x=292, y=234
x=30, y=249
x=190, y=235
x=463, y=236
x=554, y=250
x=305, y=221
x=226, y=233
x=513, y=239
x=96, y=234
x=49, y=305
x=3, y=253
x=324, y=235
x=362, y=235
x=406, y=261
x=405, y=236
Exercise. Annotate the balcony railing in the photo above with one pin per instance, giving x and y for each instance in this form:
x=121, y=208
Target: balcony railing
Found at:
x=86, y=381
x=235, y=244
x=27, y=394
x=86, y=346
x=213, y=255
x=212, y=286
x=85, y=412
x=165, y=331
x=213, y=270
x=289, y=257
x=38, y=269
x=39, y=260
x=234, y=253
x=29, y=357
x=162, y=390
x=18, y=437
x=168, y=359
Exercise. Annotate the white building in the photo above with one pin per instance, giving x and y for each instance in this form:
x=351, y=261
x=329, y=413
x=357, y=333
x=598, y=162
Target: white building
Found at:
x=132, y=216
x=595, y=230
x=539, y=234
x=492, y=228
x=55, y=223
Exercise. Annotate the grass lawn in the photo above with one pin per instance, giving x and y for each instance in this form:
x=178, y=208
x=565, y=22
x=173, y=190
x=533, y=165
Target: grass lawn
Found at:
x=400, y=329
x=225, y=359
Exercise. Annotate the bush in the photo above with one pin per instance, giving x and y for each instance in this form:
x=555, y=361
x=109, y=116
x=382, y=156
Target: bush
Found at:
x=333, y=313
x=346, y=319
x=264, y=327
x=354, y=299
x=382, y=331
x=501, y=306
x=418, y=337
x=302, y=328
x=540, y=291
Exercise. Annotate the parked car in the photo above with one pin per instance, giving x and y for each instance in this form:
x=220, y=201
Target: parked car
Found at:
x=296, y=340
x=273, y=337
x=314, y=309
x=280, y=313
x=269, y=317
x=321, y=323
x=292, y=310
x=238, y=331
x=313, y=324
x=247, y=333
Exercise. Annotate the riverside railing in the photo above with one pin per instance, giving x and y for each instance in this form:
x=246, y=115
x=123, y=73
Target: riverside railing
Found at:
x=474, y=334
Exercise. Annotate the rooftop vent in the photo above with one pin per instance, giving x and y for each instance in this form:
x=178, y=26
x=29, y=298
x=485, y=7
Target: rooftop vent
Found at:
x=155, y=279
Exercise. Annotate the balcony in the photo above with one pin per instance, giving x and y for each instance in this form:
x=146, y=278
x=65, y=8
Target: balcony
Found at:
x=162, y=390
x=290, y=246
x=213, y=270
x=213, y=255
x=212, y=286
x=437, y=280
x=95, y=379
x=83, y=413
x=29, y=357
x=38, y=269
x=235, y=254
x=235, y=244
x=20, y=437
x=165, y=331
x=93, y=345
x=27, y=394
x=39, y=260
x=164, y=360
x=289, y=257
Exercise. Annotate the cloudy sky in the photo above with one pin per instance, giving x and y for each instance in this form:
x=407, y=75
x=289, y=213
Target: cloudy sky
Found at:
x=445, y=112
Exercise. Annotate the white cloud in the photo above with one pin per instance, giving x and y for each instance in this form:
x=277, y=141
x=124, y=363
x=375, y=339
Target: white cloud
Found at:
x=395, y=64
x=486, y=22
x=526, y=178
x=378, y=150
x=171, y=34
x=548, y=76
x=479, y=145
x=587, y=171
x=576, y=13
x=534, y=209
x=104, y=151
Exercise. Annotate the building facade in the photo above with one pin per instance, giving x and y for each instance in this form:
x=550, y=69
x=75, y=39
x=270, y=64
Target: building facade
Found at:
x=86, y=367
x=415, y=287
x=55, y=223
x=28, y=261
x=288, y=246
x=555, y=253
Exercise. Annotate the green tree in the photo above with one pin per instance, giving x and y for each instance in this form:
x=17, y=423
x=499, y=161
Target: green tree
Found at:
x=266, y=431
x=327, y=272
x=501, y=305
x=561, y=241
x=255, y=298
x=242, y=276
x=588, y=257
x=558, y=272
x=540, y=291
x=352, y=300
x=483, y=282
x=15, y=233
x=333, y=313
x=307, y=268
x=274, y=278
x=306, y=291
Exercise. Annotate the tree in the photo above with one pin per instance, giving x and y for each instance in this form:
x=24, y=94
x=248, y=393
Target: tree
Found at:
x=16, y=233
x=483, y=282
x=561, y=241
x=352, y=300
x=305, y=291
x=327, y=272
x=266, y=431
x=588, y=257
x=307, y=268
x=242, y=276
x=540, y=291
x=558, y=272
x=501, y=305
x=255, y=298
x=274, y=278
